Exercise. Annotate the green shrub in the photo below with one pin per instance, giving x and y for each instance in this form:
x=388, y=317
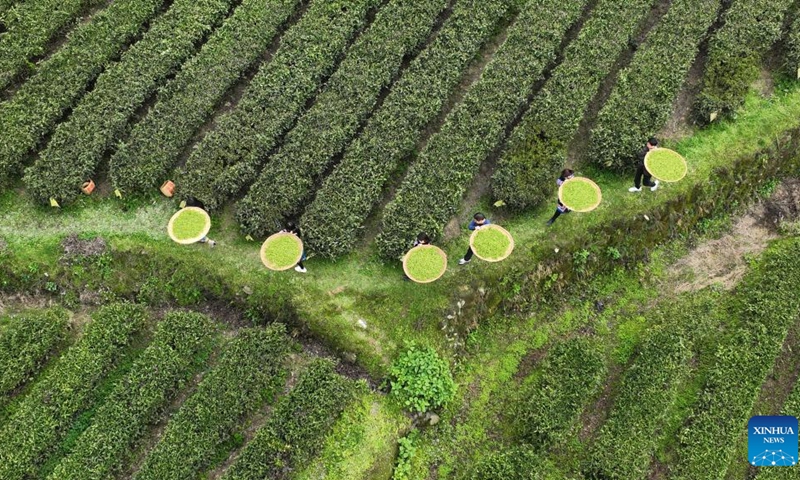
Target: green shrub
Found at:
x=766, y=305
x=26, y=344
x=250, y=372
x=100, y=119
x=636, y=110
x=231, y=156
x=420, y=379
x=180, y=342
x=549, y=408
x=297, y=427
x=46, y=413
x=434, y=187
x=405, y=455
x=516, y=463
x=189, y=100
x=30, y=26
x=332, y=221
x=735, y=55
x=536, y=150
x=62, y=79
x=649, y=388
x=288, y=180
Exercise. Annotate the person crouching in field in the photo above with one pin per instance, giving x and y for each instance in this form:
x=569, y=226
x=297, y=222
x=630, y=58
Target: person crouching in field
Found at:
x=478, y=220
x=566, y=174
x=295, y=230
x=641, y=171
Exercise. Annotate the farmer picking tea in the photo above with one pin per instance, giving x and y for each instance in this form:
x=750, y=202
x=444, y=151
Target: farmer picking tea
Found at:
x=566, y=174
x=478, y=220
x=641, y=171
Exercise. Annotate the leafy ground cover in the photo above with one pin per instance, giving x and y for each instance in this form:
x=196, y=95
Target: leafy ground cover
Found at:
x=536, y=148
x=298, y=425
x=635, y=109
x=347, y=196
x=735, y=55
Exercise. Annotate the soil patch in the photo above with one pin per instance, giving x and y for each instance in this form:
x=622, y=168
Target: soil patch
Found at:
x=723, y=261
x=595, y=415
x=75, y=247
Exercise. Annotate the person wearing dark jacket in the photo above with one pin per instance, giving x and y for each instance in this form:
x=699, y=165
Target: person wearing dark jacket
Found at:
x=566, y=174
x=641, y=171
x=295, y=230
x=478, y=220
x=193, y=202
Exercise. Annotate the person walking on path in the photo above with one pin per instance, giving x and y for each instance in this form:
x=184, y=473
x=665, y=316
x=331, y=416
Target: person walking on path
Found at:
x=422, y=239
x=566, y=174
x=295, y=230
x=478, y=220
x=193, y=202
x=641, y=171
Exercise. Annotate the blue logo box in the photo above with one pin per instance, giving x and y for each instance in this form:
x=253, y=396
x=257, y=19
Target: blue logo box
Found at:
x=772, y=441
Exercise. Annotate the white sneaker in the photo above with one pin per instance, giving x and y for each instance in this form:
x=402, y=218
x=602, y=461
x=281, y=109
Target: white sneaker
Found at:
x=654, y=187
x=634, y=189
x=300, y=269
x=212, y=243
x=463, y=262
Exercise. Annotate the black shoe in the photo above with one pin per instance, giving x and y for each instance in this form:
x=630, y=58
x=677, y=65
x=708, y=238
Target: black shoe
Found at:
x=549, y=222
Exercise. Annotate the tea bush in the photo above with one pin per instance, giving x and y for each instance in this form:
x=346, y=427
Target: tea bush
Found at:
x=372, y=63
x=766, y=305
x=434, y=186
x=516, y=463
x=420, y=379
x=97, y=122
x=641, y=101
x=297, y=427
x=536, y=149
x=793, y=47
x=250, y=372
x=549, y=408
x=190, y=99
x=332, y=222
x=231, y=156
x=649, y=388
x=139, y=398
x=61, y=80
x=735, y=55
x=26, y=344
x=29, y=28
x=47, y=411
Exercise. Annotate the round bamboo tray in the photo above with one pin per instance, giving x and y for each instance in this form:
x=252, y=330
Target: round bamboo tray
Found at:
x=419, y=248
x=566, y=201
x=269, y=263
x=681, y=165
x=499, y=229
x=194, y=239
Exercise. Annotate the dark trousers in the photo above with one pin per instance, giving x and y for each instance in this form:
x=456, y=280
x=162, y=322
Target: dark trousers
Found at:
x=556, y=215
x=468, y=255
x=642, y=172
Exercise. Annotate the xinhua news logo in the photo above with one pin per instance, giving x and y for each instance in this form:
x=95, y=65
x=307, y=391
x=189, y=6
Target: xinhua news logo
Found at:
x=772, y=441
